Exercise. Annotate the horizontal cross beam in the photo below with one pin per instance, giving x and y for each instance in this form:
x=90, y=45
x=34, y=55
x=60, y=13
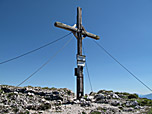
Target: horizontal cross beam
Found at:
x=73, y=29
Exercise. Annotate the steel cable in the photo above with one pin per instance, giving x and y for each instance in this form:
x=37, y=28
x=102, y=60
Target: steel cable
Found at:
x=34, y=49
x=45, y=62
x=88, y=74
x=123, y=66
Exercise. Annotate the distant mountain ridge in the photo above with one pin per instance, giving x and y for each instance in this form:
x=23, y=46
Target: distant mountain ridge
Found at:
x=148, y=96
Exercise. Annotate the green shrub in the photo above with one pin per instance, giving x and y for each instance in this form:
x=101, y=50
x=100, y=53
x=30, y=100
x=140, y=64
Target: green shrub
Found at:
x=124, y=93
x=150, y=111
x=26, y=112
x=29, y=86
x=69, y=92
x=109, y=91
x=117, y=93
x=132, y=96
x=45, y=88
x=95, y=112
x=1, y=91
x=45, y=106
x=101, y=109
x=84, y=113
x=15, y=110
x=11, y=94
x=53, y=88
x=144, y=102
x=104, y=91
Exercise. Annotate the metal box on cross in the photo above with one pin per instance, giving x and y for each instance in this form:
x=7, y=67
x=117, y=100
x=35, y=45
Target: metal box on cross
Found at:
x=81, y=60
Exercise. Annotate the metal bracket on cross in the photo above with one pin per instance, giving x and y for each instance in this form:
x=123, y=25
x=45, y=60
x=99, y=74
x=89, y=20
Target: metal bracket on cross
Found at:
x=75, y=33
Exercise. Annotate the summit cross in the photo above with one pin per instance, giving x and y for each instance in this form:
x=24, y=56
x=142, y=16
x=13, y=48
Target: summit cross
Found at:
x=80, y=33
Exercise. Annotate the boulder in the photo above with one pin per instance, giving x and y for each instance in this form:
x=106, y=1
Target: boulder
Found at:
x=134, y=103
x=115, y=103
x=115, y=96
x=131, y=103
x=6, y=90
x=99, y=96
x=105, y=101
x=30, y=94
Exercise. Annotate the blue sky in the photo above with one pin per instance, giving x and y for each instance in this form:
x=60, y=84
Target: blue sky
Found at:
x=123, y=25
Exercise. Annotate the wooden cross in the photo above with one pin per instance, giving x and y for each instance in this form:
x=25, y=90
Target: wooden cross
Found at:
x=78, y=32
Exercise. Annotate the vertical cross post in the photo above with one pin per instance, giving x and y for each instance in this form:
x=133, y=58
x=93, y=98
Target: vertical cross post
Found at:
x=80, y=87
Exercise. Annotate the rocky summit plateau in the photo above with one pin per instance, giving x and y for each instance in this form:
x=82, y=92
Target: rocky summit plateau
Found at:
x=37, y=100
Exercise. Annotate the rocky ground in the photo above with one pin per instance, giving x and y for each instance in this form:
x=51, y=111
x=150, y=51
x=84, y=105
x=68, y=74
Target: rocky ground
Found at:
x=37, y=100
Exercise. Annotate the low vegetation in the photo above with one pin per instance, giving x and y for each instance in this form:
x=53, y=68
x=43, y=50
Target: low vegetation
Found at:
x=150, y=111
x=95, y=112
x=144, y=102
